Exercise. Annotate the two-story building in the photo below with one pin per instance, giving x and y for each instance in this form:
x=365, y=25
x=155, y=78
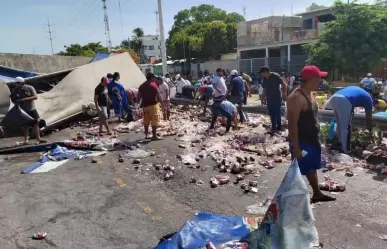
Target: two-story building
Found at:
x=150, y=47
x=276, y=41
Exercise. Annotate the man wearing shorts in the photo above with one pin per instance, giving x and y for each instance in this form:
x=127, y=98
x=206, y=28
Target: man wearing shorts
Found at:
x=304, y=129
x=150, y=99
x=24, y=96
x=101, y=100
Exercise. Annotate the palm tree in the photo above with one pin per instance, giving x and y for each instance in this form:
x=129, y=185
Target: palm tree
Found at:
x=136, y=43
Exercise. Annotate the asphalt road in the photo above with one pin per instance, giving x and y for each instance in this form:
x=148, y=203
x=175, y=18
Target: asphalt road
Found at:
x=112, y=205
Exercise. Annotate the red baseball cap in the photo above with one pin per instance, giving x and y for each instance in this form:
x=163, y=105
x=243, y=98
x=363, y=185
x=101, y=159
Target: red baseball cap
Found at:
x=310, y=72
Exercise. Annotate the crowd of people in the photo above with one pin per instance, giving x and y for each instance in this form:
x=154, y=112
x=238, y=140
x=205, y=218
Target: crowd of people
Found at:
x=151, y=95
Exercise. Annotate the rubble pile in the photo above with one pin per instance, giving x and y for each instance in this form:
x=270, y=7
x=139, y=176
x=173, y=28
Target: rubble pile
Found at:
x=242, y=155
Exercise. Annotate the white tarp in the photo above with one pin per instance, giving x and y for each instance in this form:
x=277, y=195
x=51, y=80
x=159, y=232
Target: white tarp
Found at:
x=77, y=88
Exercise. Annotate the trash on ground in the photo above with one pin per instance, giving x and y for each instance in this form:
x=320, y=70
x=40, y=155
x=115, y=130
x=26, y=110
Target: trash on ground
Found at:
x=39, y=236
x=330, y=185
x=138, y=153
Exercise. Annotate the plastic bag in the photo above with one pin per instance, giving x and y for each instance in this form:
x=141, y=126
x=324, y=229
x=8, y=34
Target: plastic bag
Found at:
x=289, y=221
x=138, y=153
x=16, y=117
x=189, y=156
x=332, y=128
x=342, y=159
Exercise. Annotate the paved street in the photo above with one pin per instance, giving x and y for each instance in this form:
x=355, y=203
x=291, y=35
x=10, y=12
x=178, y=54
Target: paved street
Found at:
x=112, y=205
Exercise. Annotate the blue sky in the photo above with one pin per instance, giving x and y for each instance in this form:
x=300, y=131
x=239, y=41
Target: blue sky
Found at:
x=24, y=22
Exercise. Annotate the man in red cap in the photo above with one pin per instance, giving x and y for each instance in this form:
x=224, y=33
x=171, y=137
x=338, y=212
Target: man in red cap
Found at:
x=304, y=128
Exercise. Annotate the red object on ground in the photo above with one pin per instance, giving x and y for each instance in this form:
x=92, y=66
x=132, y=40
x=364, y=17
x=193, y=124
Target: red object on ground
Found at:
x=39, y=236
x=209, y=245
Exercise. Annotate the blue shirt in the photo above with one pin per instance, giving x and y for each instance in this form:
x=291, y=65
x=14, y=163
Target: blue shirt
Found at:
x=237, y=86
x=229, y=107
x=357, y=96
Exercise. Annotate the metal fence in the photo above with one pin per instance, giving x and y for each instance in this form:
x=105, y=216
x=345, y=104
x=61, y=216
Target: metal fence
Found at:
x=276, y=64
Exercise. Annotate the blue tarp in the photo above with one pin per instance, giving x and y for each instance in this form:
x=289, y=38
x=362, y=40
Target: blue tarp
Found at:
x=207, y=227
x=9, y=74
x=100, y=56
x=381, y=114
x=57, y=153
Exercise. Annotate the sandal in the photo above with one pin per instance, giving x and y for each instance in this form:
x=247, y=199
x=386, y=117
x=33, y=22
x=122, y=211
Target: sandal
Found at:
x=322, y=198
x=42, y=141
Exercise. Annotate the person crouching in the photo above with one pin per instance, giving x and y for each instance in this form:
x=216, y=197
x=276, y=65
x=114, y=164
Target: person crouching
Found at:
x=229, y=111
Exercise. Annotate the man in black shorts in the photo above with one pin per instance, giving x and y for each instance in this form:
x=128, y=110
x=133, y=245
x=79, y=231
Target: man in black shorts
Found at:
x=24, y=96
x=101, y=100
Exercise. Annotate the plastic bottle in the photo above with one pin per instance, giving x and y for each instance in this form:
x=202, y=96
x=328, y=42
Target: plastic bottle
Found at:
x=331, y=133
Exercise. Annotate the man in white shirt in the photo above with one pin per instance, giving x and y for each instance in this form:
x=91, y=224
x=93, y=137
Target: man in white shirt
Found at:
x=165, y=96
x=168, y=80
x=180, y=82
x=220, y=92
x=291, y=81
x=219, y=85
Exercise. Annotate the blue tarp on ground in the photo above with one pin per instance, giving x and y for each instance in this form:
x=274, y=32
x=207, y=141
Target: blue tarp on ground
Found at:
x=100, y=56
x=288, y=223
x=56, y=157
x=9, y=74
x=207, y=227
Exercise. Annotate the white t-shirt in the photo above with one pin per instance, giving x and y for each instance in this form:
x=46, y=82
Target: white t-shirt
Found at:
x=180, y=84
x=260, y=90
x=219, y=83
x=164, y=89
x=291, y=80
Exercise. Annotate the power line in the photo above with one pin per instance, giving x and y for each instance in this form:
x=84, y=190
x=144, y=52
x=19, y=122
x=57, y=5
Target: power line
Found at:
x=80, y=11
x=50, y=34
x=122, y=26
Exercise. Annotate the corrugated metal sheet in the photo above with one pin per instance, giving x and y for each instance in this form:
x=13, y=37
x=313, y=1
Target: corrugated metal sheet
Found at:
x=9, y=74
x=100, y=56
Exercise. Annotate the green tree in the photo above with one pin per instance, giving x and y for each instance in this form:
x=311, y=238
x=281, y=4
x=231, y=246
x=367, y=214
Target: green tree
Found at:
x=88, y=50
x=355, y=41
x=203, y=31
x=136, y=42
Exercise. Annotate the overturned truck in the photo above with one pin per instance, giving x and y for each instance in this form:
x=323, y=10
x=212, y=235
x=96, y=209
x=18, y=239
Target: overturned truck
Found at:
x=61, y=95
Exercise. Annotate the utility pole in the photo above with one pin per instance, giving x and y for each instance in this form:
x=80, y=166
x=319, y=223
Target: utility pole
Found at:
x=158, y=32
x=157, y=23
x=244, y=12
x=162, y=39
x=107, y=29
x=50, y=34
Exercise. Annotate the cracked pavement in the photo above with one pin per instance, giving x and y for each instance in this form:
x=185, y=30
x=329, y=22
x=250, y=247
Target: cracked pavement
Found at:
x=111, y=205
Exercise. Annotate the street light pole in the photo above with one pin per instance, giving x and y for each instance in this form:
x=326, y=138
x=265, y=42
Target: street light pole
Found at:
x=162, y=38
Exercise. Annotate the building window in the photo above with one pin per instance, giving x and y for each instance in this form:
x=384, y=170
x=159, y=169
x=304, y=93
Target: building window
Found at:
x=144, y=47
x=151, y=47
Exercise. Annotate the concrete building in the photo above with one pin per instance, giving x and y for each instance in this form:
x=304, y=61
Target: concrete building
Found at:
x=276, y=41
x=150, y=47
